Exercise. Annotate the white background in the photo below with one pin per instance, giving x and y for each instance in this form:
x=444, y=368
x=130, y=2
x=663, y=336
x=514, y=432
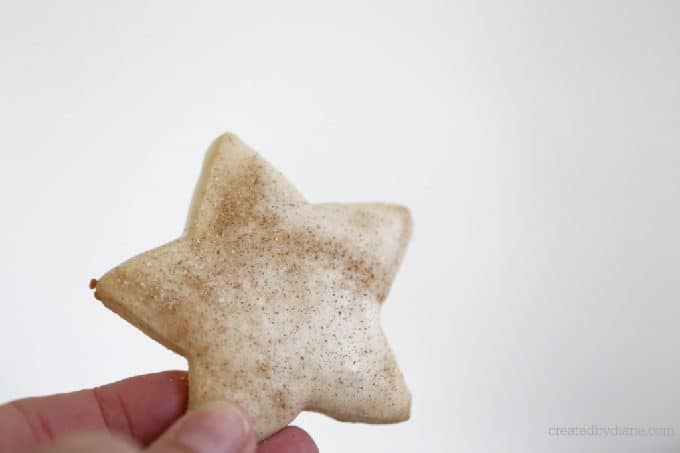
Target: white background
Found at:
x=536, y=143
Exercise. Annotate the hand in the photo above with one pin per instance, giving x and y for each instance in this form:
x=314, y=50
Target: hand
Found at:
x=143, y=412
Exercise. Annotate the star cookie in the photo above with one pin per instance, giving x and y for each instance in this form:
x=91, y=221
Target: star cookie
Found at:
x=273, y=301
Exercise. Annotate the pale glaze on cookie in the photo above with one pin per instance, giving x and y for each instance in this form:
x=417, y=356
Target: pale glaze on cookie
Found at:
x=273, y=301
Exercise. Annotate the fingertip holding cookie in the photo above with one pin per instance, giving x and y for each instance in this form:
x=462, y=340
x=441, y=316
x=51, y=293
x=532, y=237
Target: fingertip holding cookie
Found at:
x=274, y=301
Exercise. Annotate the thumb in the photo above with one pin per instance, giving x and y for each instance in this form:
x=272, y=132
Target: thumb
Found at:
x=212, y=428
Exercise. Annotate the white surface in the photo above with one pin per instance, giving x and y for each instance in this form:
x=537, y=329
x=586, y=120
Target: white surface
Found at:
x=538, y=147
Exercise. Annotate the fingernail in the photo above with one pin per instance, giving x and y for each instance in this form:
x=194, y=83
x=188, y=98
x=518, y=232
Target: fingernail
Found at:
x=214, y=427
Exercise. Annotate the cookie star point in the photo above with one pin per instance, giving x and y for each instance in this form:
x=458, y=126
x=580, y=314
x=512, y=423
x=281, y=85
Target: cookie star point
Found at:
x=273, y=301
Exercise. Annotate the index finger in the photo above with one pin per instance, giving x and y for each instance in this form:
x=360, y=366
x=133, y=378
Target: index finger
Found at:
x=140, y=408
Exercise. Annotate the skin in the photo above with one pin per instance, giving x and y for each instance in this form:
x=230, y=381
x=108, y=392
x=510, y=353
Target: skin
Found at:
x=142, y=413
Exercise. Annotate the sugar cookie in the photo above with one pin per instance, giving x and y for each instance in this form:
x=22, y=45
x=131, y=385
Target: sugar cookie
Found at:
x=273, y=301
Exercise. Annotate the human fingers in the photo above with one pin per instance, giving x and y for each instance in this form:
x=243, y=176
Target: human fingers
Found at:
x=289, y=440
x=141, y=408
x=100, y=442
x=212, y=428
